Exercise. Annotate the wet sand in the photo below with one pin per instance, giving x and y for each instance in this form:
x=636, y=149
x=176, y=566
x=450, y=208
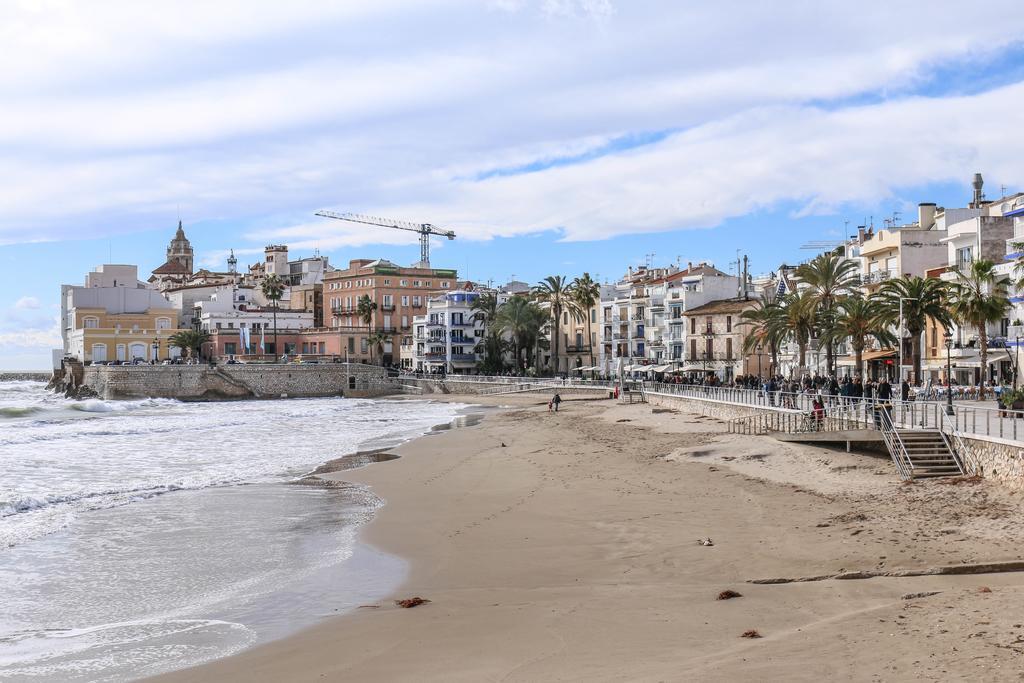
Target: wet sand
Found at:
x=565, y=547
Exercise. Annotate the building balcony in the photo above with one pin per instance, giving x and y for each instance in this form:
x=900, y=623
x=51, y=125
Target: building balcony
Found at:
x=575, y=348
x=387, y=308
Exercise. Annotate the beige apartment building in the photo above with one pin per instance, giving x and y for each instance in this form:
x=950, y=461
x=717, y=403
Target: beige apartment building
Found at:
x=400, y=294
x=715, y=337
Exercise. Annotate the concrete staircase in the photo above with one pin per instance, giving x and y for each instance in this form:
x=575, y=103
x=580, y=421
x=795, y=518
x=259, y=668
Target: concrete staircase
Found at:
x=926, y=453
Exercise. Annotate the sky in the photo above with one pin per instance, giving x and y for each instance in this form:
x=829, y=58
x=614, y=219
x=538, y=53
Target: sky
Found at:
x=553, y=136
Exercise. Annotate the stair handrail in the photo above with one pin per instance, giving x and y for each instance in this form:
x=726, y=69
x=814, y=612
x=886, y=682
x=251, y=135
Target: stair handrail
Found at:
x=897, y=449
x=960, y=445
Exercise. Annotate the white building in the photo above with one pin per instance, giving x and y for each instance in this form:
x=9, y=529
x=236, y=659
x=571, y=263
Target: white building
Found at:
x=228, y=309
x=114, y=316
x=446, y=338
x=642, y=315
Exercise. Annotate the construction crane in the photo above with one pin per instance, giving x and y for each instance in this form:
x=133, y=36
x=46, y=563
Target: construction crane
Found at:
x=425, y=230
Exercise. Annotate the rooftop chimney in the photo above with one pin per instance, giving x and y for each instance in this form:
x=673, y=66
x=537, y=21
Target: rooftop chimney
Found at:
x=926, y=215
x=979, y=196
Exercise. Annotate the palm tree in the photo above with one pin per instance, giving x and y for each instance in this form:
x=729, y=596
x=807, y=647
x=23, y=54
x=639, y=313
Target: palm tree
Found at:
x=765, y=330
x=189, y=341
x=556, y=294
x=796, y=318
x=922, y=298
x=273, y=289
x=485, y=310
x=364, y=309
x=978, y=297
x=587, y=293
x=827, y=277
x=523, y=320
x=377, y=340
x=858, y=319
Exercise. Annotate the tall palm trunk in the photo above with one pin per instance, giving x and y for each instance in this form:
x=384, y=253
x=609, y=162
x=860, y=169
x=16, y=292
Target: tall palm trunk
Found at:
x=558, y=319
x=590, y=341
x=277, y=349
x=858, y=360
x=915, y=352
x=983, y=345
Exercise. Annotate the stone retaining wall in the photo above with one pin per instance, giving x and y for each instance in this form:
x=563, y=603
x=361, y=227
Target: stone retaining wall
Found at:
x=202, y=382
x=998, y=459
x=710, y=407
x=25, y=376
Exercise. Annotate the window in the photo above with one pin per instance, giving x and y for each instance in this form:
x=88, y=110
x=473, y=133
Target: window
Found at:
x=91, y=323
x=708, y=349
x=593, y=315
x=415, y=283
x=565, y=317
x=728, y=349
x=693, y=349
x=404, y=283
x=387, y=282
x=693, y=326
x=163, y=323
x=426, y=283
x=388, y=300
x=135, y=327
x=405, y=321
x=351, y=344
x=230, y=348
x=218, y=326
x=728, y=324
x=351, y=382
x=364, y=345
x=445, y=285
x=416, y=301
x=405, y=300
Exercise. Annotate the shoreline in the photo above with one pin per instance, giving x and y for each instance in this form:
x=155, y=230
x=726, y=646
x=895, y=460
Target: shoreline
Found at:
x=558, y=547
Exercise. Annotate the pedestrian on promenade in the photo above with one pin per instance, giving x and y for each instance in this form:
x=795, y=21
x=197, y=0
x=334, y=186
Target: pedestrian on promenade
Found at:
x=556, y=401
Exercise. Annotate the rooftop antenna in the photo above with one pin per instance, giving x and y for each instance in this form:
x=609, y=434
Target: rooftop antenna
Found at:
x=1002, y=190
x=895, y=217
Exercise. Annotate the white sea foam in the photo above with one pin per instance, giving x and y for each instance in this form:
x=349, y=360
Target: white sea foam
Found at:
x=163, y=562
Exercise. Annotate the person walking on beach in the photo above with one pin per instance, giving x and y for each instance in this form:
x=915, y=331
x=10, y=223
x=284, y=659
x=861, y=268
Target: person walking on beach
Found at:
x=556, y=400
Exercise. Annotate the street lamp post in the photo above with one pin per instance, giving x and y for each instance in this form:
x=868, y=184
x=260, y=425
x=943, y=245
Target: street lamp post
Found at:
x=758, y=349
x=948, y=338
x=156, y=348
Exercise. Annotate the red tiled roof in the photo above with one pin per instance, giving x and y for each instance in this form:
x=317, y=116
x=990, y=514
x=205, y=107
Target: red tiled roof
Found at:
x=172, y=268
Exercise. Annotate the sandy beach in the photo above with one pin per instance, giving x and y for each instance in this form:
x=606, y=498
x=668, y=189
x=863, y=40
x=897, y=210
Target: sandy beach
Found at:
x=564, y=547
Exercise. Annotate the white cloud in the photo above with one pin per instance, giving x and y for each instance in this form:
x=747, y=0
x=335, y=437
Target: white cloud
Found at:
x=115, y=114
x=27, y=303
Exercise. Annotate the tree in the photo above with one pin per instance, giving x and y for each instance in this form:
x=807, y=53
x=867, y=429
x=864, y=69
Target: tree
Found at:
x=978, y=297
x=364, y=309
x=485, y=310
x=273, y=289
x=554, y=293
x=796, y=318
x=523, y=320
x=377, y=340
x=189, y=341
x=827, y=277
x=766, y=330
x=923, y=298
x=858, y=319
x=587, y=293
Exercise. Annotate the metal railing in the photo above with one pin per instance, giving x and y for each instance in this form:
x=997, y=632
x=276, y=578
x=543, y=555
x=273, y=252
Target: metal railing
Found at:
x=969, y=418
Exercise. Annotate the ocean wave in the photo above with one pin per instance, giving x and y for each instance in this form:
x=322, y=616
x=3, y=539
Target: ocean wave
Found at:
x=19, y=411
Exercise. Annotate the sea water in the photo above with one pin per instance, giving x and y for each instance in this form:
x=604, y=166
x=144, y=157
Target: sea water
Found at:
x=143, y=536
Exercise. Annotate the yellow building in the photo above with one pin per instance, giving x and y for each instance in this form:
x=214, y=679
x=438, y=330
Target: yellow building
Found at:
x=114, y=317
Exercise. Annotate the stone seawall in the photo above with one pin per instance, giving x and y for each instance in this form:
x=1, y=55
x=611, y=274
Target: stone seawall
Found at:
x=998, y=459
x=25, y=376
x=710, y=407
x=224, y=382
